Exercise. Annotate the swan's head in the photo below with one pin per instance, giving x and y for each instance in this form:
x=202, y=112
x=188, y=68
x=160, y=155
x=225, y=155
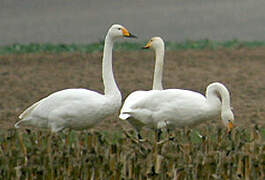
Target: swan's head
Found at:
x=228, y=119
x=155, y=43
x=117, y=31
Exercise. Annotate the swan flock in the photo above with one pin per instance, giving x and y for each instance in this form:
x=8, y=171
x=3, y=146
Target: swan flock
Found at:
x=157, y=108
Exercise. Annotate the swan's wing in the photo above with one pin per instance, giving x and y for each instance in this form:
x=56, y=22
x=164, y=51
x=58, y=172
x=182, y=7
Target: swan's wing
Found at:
x=74, y=108
x=168, y=105
x=68, y=103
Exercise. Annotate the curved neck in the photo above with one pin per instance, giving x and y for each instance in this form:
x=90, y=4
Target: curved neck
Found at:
x=111, y=88
x=217, y=90
x=158, y=74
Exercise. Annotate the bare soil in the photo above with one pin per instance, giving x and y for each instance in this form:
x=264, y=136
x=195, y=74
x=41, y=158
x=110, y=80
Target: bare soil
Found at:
x=27, y=78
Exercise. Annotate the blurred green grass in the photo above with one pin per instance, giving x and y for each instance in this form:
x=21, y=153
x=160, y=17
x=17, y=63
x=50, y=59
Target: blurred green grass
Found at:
x=125, y=46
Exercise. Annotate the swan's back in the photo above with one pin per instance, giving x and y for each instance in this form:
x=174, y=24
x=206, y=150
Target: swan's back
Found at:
x=155, y=99
x=62, y=98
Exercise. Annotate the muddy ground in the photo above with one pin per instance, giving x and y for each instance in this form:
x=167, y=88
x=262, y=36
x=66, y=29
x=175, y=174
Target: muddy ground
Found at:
x=29, y=77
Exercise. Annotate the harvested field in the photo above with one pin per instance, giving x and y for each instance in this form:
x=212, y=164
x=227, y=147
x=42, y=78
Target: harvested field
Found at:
x=27, y=78
x=109, y=151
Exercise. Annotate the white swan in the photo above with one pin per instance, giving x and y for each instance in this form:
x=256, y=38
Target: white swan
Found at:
x=157, y=44
x=79, y=108
x=159, y=108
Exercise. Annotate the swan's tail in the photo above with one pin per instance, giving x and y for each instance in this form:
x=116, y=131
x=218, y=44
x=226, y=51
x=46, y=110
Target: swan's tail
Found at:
x=124, y=115
x=17, y=124
x=29, y=110
x=23, y=116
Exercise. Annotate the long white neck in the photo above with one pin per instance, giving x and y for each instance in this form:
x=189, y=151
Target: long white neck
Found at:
x=158, y=74
x=216, y=90
x=111, y=88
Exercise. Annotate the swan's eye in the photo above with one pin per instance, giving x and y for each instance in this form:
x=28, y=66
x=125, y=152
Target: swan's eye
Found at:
x=119, y=29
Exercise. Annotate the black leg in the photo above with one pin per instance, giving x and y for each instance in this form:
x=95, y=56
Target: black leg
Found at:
x=158, y=132
x=170, y=137
x=139, y=136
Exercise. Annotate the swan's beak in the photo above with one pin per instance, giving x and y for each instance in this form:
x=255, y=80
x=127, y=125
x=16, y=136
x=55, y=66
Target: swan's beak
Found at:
x=148, y=45
x=127, y=34
x=229, y=126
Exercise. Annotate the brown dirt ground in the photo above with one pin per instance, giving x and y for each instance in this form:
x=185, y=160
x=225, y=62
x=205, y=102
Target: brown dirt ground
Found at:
x=27, y=78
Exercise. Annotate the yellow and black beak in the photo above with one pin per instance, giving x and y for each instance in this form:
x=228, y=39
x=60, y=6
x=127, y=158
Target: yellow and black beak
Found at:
x=229, y=126
x=148, y=45
x=127, y=34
